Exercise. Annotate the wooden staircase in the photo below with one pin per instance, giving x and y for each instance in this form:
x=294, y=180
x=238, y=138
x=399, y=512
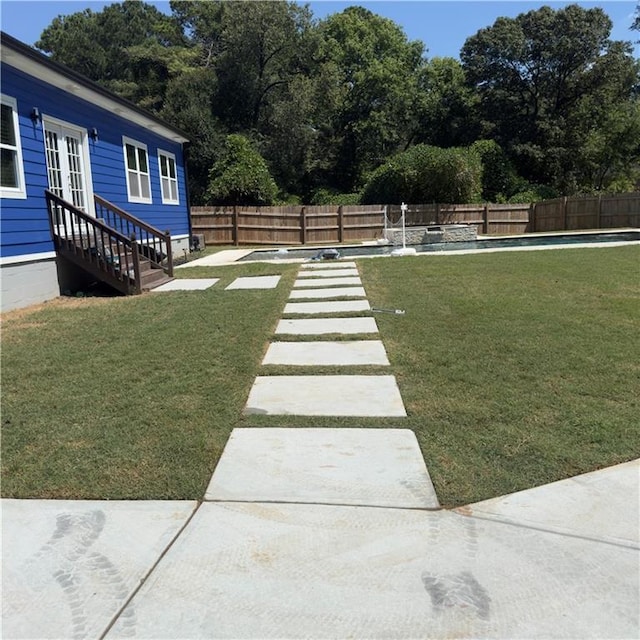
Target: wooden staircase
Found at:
x=114, y=247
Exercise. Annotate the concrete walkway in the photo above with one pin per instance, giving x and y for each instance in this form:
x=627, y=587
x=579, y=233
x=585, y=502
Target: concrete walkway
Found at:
x=328, y=533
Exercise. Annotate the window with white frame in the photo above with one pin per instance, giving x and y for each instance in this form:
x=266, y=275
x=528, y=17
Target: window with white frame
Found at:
x=168, y=177
x=12, y=183
x=137, y=162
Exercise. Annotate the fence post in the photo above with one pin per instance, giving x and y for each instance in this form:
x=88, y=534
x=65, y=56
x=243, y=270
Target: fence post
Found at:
x=437, y=213
x=236, y=239
x=485, y=219
x=340, y=224
x=531, y=222
x=599, y=218
x=303, y=226
x=565, y=207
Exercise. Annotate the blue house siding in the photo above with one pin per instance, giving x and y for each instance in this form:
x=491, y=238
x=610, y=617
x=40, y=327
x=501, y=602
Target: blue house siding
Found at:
x=25, y=227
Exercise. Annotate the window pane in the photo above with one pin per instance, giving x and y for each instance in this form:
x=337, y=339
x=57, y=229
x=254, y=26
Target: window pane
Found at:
x=174, y=191
x=166, y=192
x=133, y=184
x=142, y=159
x=172, y=168
x=131, y=157
x=144, y=184
x=7, y=133
x=8, y=169
x=163, y=166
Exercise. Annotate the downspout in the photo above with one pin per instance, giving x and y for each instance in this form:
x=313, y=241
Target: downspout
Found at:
x=185, y=149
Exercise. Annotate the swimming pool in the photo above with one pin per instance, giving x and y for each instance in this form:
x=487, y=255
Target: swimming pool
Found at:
x=512, y=243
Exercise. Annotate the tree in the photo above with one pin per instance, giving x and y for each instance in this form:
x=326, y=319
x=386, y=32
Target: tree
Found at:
x=636, y=22
x=499, y=178
x=370, y=75
x=427, y=174
x=130, y=47
x=240, y=176
x=188, y=105
x=447, y=106
x=262, y=54
x=534, y=73
x=262, y=44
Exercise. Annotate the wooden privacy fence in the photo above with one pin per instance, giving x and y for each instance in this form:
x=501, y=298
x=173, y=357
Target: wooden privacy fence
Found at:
x=589, y=212
x=288, y=225
x=329, y=224
x=489, y=219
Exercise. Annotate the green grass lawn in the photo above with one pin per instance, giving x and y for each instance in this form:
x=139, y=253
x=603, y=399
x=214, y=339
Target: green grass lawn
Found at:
x=516, y=369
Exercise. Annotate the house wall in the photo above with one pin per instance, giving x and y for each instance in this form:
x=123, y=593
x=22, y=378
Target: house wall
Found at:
x=25, y=226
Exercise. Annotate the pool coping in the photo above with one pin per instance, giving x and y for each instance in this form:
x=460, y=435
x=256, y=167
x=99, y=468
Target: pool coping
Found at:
x=233, y=256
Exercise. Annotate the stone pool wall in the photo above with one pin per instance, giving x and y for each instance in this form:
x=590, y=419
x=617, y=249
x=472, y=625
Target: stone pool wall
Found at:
x=433, y=233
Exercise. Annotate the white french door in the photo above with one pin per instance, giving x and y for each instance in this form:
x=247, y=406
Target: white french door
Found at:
x=67, y=165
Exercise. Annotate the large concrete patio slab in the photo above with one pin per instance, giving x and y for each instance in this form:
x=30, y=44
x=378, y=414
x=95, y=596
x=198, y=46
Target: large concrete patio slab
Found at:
x=323, y=294
x=341, y=395
x=332, y=273
x=324, y=326
x=328, y=265
x=255, y=282
x=366, y=467
x=351, y=353
x=589, y=505
x=327, y=282
x=68, y=567
x=258, y=570
x=184, y=284
x=339, y=306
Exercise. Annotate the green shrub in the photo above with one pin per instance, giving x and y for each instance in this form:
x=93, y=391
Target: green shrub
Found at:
x=427, y=174
x=240, y=176
x=329, y=196
x=533, y=193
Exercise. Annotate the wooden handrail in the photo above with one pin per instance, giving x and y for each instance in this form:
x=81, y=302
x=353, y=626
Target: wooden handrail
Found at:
x=127, y=216
x=152, y=243
x=94, y=245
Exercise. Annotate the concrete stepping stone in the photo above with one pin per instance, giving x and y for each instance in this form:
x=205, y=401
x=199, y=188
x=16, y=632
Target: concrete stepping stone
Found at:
x=320, y=326
x=332, y=273
x=327, y=282
x=356, y=352
x=69, y=566
x=255, y=282
x=186, y=284
x=338, y=306
x=335, y=292
x=258, y=570
x=365, y=467
x=341, y=395
x=328, y=265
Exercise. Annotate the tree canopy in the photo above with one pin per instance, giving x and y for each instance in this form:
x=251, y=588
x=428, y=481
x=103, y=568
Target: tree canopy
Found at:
x=546, y=100
x=546, y=80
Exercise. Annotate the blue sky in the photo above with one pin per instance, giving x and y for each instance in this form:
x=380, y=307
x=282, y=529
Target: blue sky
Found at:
x=443, y=26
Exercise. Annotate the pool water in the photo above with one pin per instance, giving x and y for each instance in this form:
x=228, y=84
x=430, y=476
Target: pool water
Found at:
x=309, y=253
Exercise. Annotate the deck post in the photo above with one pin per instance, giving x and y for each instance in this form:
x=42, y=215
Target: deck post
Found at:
x=167, y=239
x=135, y=254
